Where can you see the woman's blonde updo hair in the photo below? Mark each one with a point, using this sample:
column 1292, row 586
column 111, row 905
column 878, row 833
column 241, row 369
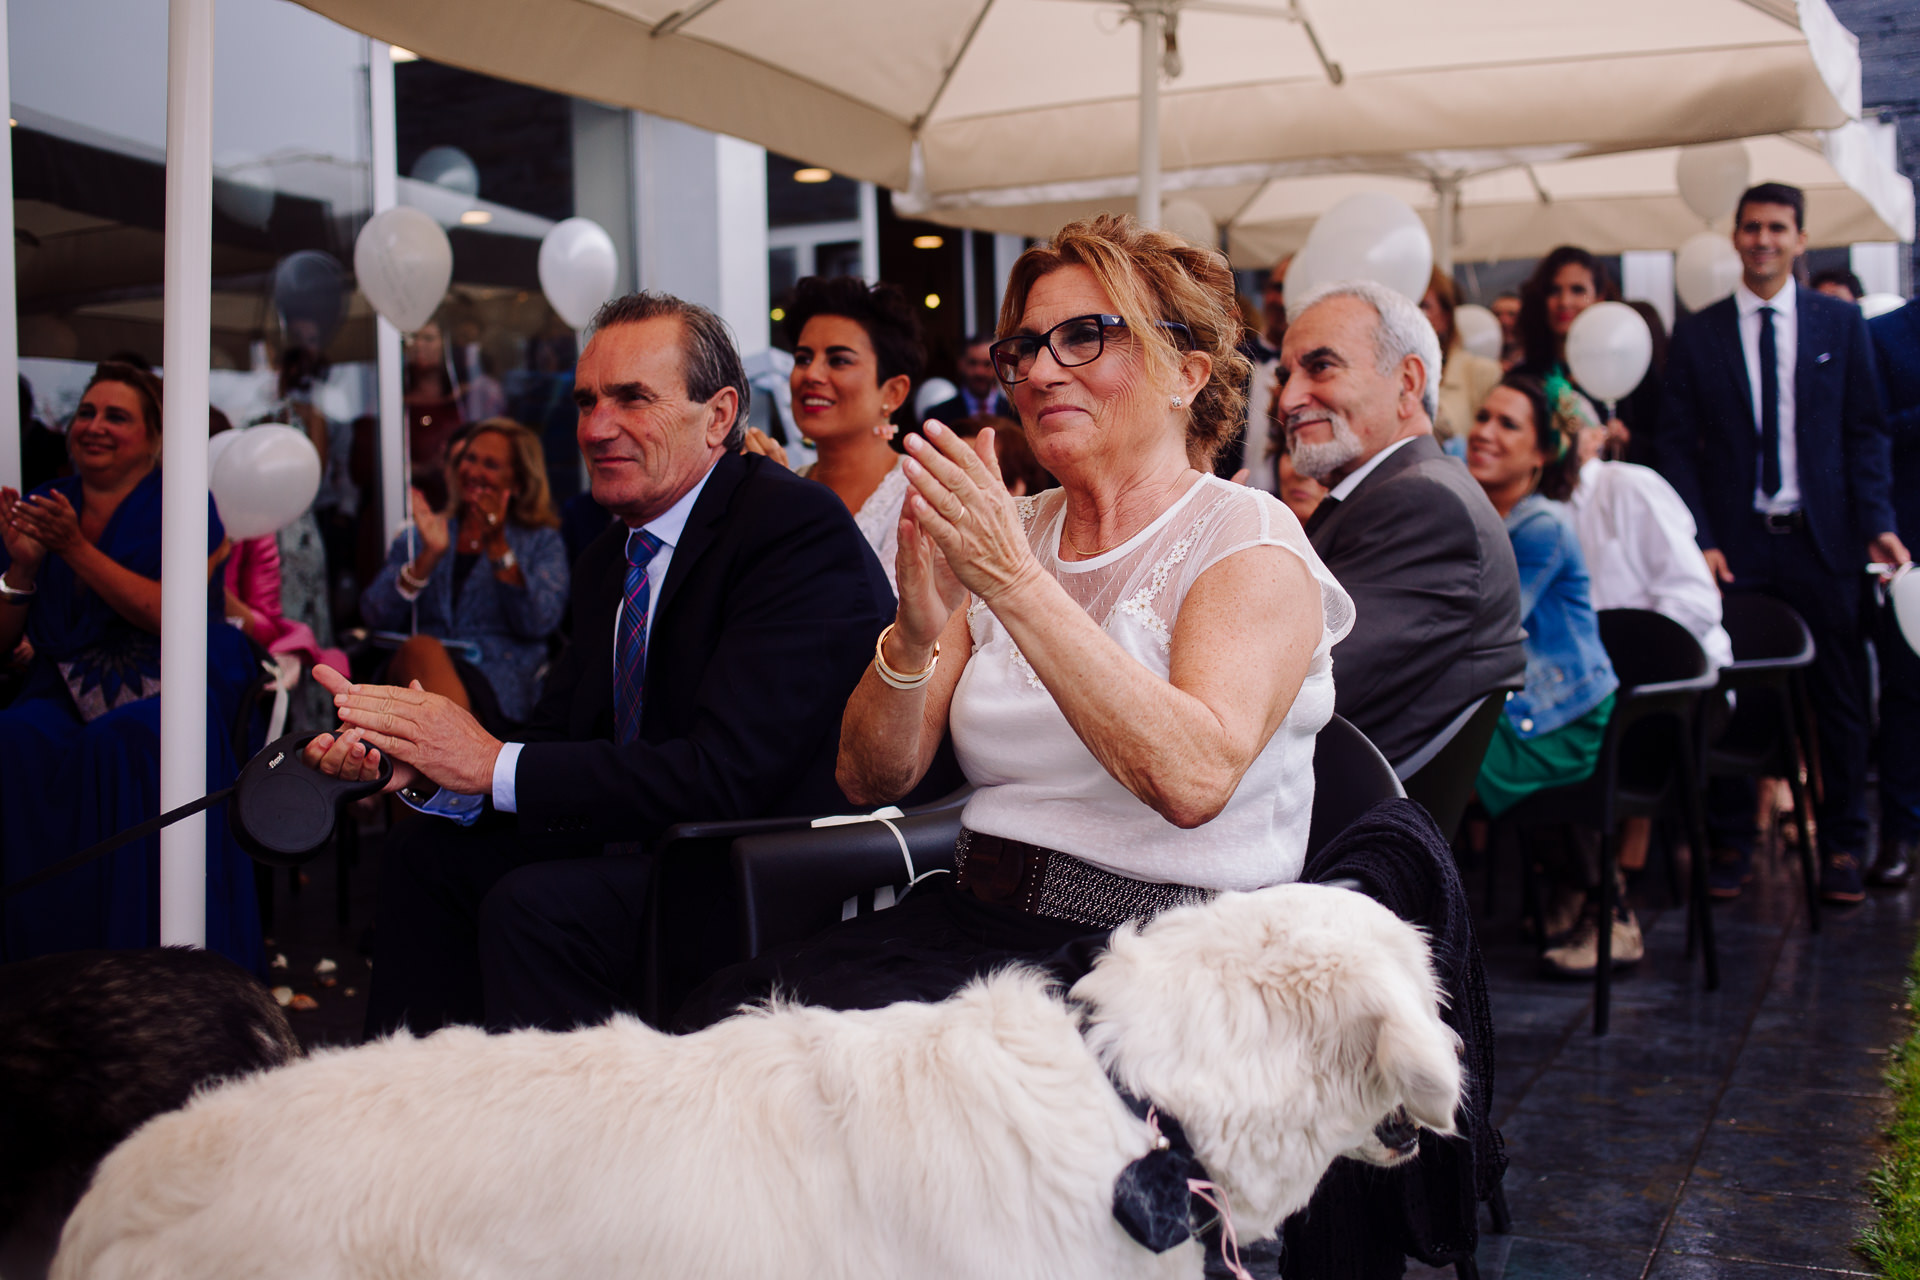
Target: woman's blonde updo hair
column 1155, row 275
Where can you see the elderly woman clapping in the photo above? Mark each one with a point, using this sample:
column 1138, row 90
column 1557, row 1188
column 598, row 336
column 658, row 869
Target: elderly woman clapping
column 1133, row 667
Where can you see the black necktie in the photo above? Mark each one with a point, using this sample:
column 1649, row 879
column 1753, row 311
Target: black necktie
column 1769, row 407
column 1328, row 505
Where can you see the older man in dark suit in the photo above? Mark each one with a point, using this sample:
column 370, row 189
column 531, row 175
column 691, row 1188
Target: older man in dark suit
column 1896, row 345
column 1405, row 529
column 1772, row 433
column 718, row 628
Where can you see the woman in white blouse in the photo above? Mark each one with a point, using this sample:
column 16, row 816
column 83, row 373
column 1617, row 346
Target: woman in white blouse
column 1133, row 666
column 856, row 355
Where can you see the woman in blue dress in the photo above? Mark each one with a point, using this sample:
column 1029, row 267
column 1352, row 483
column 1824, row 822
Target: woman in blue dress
column 1521, row 451
column 80, row 745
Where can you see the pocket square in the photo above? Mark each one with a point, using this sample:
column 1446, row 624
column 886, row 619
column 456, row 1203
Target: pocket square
column 1823, row 357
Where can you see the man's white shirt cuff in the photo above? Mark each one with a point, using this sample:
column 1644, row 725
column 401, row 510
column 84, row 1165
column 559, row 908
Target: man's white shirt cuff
column 504, row 766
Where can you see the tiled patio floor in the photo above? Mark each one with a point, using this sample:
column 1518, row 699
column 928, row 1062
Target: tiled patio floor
column 1710, row 1134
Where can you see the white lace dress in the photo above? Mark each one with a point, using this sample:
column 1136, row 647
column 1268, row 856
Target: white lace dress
column 879, row 517
column 1037, row 781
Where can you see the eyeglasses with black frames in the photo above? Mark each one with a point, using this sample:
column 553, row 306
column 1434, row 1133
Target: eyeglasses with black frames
column 1073, row 343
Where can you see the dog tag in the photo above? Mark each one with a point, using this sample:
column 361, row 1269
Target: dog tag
column 283, row 811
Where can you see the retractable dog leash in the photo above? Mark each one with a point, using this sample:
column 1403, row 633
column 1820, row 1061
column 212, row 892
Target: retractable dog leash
column 283, row 812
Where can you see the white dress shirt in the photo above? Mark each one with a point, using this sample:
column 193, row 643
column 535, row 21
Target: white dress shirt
column 1257, row 452
column 1638, row 540
column 668, row 527
column 1340, row 491
column 1786, row 332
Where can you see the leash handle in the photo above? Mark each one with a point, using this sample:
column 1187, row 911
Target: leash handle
column 113, row 842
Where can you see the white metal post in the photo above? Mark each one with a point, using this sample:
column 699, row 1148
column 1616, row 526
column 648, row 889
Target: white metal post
column 187, row 317
column 384, row 157
column 1446, row 191
column 869, row 233
column 1152, row 39
column 10, row 424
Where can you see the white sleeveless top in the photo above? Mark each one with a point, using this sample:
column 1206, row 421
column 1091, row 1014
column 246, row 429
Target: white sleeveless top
column 1038, row 782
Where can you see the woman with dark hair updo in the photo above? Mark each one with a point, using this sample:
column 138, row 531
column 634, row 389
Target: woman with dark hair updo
column 1133, row 666
column 857, row 351
column 1522, row 452
column 1566, row 283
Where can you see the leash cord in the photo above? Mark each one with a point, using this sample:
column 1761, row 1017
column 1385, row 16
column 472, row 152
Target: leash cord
column 113, row 842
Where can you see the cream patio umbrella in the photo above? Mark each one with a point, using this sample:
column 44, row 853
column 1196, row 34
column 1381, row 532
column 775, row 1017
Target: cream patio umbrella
column 1606, row 203
column 1018, row 102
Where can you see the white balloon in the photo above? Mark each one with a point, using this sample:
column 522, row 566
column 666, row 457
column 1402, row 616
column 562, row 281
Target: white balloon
column 218, row 445
column 1878, row 304
column 1479, row 330
column 932, row 392
column 1712, row 176
column 264, row 479
column 1306, row 273
column 1608, row 350
column 578, row 269
column 1190, row 220
column 1705, row 270
column 404, row 263
column 1373, row 236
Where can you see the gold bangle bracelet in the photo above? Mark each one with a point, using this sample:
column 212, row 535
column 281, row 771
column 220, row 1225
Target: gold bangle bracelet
column 901, row 679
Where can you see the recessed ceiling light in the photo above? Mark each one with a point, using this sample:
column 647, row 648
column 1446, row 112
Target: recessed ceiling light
column 927, row 242
column 476, row 218
column 12, row 123
column 933, row 300
column 777, row 314
column 812, row 175
column 402, row 55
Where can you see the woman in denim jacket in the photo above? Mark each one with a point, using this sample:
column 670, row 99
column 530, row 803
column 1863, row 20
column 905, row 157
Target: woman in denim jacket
column 1524, row 459
column 484, row 583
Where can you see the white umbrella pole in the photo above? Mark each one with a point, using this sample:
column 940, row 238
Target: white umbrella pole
column 1446, row 193
column 10, row 424
column 187, row 315
column 390, row 396
column 1152, row 38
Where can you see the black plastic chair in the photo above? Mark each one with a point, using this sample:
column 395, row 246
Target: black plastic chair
column 1763, row 737
column 1350, row 776
column 1647, row 768
column 1441, row 778
column 792, row 884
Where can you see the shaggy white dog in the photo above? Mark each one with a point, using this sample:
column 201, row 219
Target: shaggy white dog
column 979, row 1137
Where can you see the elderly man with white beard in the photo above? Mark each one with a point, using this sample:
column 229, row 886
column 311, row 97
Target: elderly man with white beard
column 1405, row 529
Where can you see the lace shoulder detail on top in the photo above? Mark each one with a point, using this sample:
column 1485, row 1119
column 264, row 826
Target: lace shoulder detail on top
column 1139, row 605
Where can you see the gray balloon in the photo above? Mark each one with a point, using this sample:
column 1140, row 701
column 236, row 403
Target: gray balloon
column 310, row 292
column 448, row 167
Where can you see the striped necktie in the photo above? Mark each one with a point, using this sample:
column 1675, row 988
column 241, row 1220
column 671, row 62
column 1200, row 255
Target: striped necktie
column 630, row 648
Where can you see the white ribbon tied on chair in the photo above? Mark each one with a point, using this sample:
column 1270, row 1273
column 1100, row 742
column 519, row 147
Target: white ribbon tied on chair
column 884, row 896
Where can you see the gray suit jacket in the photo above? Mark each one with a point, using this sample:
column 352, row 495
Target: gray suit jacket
column 1436, row 598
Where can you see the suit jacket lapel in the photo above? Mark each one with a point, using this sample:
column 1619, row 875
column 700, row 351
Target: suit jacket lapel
column 702, row 528
column 1733, row 358
column 1811, row 338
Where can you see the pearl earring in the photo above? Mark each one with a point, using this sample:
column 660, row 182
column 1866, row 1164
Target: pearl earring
column 1176, row 402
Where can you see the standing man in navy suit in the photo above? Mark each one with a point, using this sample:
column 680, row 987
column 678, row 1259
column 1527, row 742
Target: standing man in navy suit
column 1773, row 434
column 1896, row 345
column 980, row 391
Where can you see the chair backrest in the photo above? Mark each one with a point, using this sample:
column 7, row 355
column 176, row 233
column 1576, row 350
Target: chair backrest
column 1444, row 785
column 1350, row 776
column 1649, row 648
column 1765, row 630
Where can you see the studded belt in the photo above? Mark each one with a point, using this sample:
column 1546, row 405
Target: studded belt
column 1047, row 882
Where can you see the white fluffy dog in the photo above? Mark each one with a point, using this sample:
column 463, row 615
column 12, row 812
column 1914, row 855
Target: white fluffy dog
column 978, row 1137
